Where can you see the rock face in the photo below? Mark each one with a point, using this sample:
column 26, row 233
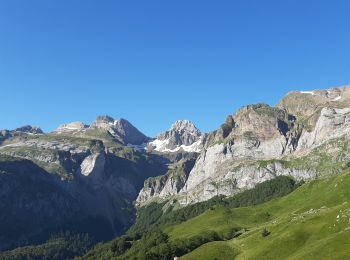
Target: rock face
column 306, row 135
column 332, row 123
column 230, row 180
column 167, row 185
column 93, row 164
column 182, row 136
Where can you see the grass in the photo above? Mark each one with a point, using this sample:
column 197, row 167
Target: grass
column 212, row 251
column 219, row 219
column 313, row 222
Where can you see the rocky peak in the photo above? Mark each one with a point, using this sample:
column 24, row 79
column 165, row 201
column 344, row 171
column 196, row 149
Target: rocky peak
column 121, row 128
column 184, row 131
column 182, row 126
column 183, row 134
column 103, row 122
column 129, row 133
column 30, row 129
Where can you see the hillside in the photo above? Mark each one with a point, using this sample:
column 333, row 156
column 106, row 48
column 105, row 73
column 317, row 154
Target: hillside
column 313, row 222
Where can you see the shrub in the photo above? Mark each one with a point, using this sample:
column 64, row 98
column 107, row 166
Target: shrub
column 265, row 233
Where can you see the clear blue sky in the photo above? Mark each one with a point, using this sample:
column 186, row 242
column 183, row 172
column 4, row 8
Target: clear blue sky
column 153, row 62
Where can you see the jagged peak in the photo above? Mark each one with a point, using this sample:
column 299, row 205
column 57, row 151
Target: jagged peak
column 182, row 136
column 184, row 126
column 112, row 121
column 105, row 119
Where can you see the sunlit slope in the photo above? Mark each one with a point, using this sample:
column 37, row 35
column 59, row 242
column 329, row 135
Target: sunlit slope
column 313, row 222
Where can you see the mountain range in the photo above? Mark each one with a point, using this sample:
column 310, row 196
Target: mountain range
column 101, row 179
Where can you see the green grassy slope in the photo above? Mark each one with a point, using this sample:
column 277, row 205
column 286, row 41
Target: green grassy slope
column 311, row 223
column 212, row 251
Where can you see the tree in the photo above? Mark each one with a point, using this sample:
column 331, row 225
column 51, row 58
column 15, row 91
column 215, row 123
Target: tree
column 120, row 245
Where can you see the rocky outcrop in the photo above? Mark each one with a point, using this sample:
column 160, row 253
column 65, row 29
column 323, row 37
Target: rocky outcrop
column 233, row 179
column 19, row 132
column 30, row 129
column 70, row 127
column 165, row 186
column 93, row 164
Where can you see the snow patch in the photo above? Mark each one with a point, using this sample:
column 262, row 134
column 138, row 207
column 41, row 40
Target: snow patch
column 161, row 146
column 307, row 92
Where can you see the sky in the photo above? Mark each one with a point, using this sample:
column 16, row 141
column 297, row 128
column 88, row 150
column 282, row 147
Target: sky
column 153, row 62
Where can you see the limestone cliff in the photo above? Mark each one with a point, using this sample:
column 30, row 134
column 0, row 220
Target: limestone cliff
column 305, row 136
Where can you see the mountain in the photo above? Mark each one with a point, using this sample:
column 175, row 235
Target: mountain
column 121, row 130
column 268, row 172
column 80, row 178
column 182, row 136
column 260, row 142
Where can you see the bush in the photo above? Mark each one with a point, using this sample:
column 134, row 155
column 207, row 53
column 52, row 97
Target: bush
column 265, row 233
